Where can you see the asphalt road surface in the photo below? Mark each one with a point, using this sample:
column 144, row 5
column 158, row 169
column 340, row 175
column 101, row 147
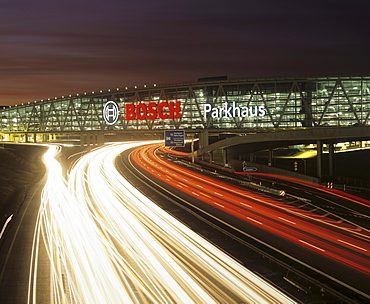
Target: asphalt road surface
column 17, row 255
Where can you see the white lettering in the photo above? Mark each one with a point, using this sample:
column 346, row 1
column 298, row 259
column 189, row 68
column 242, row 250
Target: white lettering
column 251, row 114
column 262, row 111
column 236, row 110
column 233, row 110
column 227, row 110
column 206, row 109
column 244, row 112
column 215, row 112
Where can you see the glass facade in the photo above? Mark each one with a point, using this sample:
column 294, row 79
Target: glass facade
column 223, row 104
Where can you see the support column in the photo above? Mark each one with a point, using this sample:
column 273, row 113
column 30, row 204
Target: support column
column 192, row 151
column 90, row 139
column 269, row 161
column 96, row 139
column 82, row 139
column 224, row 157
column 100, row 138
column 319, row 159
column 203, row 139
column 331, row 159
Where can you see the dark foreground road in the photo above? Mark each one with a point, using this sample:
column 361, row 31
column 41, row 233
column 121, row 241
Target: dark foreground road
column 16, row 255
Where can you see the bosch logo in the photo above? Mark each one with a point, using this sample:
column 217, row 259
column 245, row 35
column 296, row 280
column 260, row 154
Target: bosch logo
column 110, row 112
column 162, row 110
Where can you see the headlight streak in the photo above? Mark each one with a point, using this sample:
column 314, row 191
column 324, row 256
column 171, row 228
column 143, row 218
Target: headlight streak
column 108, row 243
column 79, row 263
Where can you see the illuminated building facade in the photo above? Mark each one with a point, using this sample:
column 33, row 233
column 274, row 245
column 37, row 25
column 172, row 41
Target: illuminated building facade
column 211, row 104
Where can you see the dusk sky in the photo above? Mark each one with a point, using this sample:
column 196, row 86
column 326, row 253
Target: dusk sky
column 52, row 48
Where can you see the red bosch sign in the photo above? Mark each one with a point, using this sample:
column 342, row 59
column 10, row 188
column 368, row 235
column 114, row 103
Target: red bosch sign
column 152, row 110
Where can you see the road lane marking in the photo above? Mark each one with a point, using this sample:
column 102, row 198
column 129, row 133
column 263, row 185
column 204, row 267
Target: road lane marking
column 202, row 193
column 253, row 220
column 286, row 220
column 353, row 245
column 313, row 246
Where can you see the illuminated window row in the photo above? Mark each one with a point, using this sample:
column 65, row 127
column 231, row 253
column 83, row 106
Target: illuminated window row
column 285, row 103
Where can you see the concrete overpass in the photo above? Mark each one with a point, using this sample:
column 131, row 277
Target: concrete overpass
column 271, row 140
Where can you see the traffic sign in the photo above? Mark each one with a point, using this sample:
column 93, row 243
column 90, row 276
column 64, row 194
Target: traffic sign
column 249, row 169
column 174, row 138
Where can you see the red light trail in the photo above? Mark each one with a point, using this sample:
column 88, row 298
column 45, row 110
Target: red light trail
column 339, row 241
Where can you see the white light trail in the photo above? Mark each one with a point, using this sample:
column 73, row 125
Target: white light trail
column 5, row 225
column 109, row 243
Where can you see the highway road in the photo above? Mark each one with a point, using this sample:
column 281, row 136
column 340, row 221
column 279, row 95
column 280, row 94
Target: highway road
column 108, row 243
column 94, row 238
column 343, row 204
column 329, row 244
column 17, row 255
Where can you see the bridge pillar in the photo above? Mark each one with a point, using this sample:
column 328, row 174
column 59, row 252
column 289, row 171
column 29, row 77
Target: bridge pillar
column 93, row 139
column 270, row 157
column 100, row 138
column 203, row 139
column 51, row 137
column 319, row 159
column 30, row 137
column 331, row 159
column 224, row 157
column 82, row 139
